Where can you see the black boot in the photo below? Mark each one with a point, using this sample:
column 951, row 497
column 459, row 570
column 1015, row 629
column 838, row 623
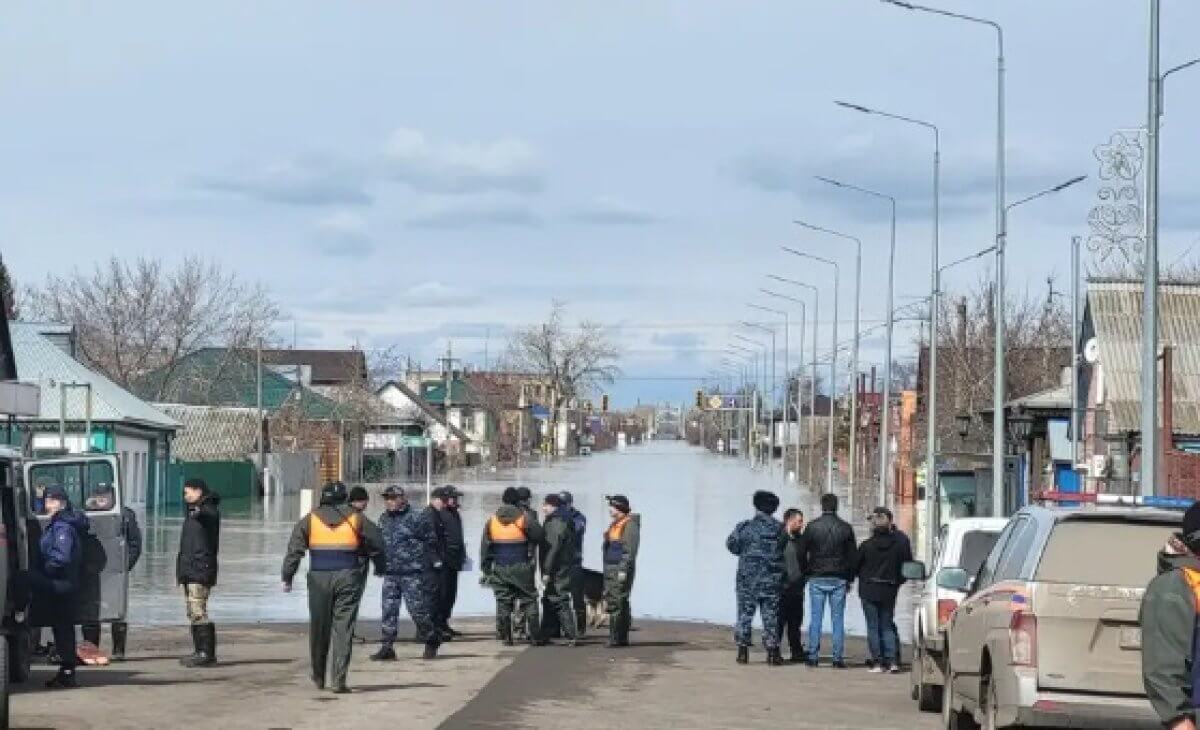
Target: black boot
column 120, row 631
column 191, row 659
column 385, row 654
column 65, row 679
column 205, row 638
column 614, row 635
column 431, row 649
column 774, row 658
column 743, row 656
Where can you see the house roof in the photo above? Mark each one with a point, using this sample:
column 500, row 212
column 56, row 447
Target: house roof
column 327, row 367
column 1115, row 311
column 223, row 377
column 40, row 361
column 378, row 412
column 213, row 433
column 427, row 409
column 1051, row 399
column 461, row 393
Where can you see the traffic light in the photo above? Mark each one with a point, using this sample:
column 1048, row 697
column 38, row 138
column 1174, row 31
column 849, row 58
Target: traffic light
column 604, row 403
column 700, row 399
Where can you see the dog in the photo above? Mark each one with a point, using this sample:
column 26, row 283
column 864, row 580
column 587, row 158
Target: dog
column 593, row 597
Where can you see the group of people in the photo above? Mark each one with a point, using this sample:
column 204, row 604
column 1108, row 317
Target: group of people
column 516, row 547
column 778, row 561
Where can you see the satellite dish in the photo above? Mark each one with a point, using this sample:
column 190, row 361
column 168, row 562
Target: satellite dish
column 1091, row 350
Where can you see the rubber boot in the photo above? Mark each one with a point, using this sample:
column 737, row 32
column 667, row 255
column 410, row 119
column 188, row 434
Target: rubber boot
column 431, row 649
column 191, row 659
column 120, row 632
column 614, row 635
column 65, row 679
column 743, row 655
column 774, row 658
column 385, row 654
column 205, row 638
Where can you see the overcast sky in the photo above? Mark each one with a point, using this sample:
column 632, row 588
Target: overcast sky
column 406, row 173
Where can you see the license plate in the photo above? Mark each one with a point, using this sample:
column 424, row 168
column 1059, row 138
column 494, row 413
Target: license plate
column 1131, row 637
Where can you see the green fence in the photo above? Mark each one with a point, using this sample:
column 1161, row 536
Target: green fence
column 230, row 479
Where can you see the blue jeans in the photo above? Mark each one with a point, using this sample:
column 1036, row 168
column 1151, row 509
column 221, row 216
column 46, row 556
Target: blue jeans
column 881, row 631
column 820, row 590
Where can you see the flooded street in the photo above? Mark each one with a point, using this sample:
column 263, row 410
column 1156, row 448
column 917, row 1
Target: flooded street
column 689, row 500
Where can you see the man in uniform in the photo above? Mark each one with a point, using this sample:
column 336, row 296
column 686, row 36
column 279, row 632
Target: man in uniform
column 759, row 544
column 339, row 540
column 408, row 545
column 509, row 537
column 578, row 520
column 620, row 562
column 525, row 503
column 558, row 564
column 456, row 555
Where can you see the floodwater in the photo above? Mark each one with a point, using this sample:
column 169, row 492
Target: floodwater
column 689, row 501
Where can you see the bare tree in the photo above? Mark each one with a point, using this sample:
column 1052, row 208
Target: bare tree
column 138, row 317
column 8, row 294
column 573, row 360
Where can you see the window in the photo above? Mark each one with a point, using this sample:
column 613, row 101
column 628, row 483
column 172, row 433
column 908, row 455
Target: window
column 975, row 548
column 988, row 571
column 89, row 484
column 1017, row 550
column 1102, row 552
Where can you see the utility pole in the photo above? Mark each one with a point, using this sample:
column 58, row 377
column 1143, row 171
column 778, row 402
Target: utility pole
column 1149, row 420
column 262, row 446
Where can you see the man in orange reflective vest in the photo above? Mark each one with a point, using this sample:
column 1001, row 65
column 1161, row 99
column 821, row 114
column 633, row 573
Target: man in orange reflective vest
column 1170, row 621
column 506, row 560
column 339, row 541
column 621, row 541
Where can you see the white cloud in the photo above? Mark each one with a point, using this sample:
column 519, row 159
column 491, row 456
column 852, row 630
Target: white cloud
column 343, row 233
column 438, row 294
column 311, row 181
column 607, row 211
column 445, row 167
column 475, row 211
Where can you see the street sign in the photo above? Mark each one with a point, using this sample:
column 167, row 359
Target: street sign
column 414, row 442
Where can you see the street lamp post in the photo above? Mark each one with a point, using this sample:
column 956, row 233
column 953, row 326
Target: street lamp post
column 853, row 471
column 885, row 414
column 998, row 377
column 787, row 386
column 762, row 377
column 832, row 363
column 812, row 378
column 931, row 382
column 752, row 387
column 770, row 391
column 775, row 386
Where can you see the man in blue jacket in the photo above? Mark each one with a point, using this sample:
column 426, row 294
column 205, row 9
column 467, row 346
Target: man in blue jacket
column 55, row 581
column 759, row 544
column 410, row 547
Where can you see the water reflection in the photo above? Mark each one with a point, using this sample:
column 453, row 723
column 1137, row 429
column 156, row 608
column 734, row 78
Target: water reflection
column 689, row 501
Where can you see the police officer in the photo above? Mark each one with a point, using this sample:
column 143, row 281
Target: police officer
column 558, row 564
column 620, row 561
column 55, row 579
column 525, row 503
column 455, row 558
column 339, row 539
column 505, row 560
column 579, row 521
column 759, row 544
column 408, row 546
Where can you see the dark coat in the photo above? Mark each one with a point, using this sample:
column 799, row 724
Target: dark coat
column 62, row 548
column 440, row 545
column 831, row 549
column 579, row 522
column 1168, row 621
column 795, row 561
column 409, row 540
column 133, row 537
column 759, row 544
column 880, row 558
column 199, row 542
column 558, row 545
column 456, row 546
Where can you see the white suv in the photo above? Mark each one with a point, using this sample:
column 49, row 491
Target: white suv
column 964, row 543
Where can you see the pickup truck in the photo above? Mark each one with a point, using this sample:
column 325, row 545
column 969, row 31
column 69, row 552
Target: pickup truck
column 94, row 485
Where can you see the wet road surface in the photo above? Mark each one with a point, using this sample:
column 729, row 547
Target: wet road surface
column 689, row 500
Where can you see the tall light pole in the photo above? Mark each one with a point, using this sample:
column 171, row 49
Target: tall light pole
column 998, row 377
column 857, row 336
column 812, row 379
column 832, row 362
column 745, row 357
column 769, row 390
column 762, row 381
column 787, row 384
column 998, row 504
column 752, row 387
column 885, row 414
column 1075, row 242
column 931, row 377
column 1150, row 445
column 775, row 386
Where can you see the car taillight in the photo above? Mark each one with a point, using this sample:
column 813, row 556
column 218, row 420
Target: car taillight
column 945, row 609
column 1022, row 639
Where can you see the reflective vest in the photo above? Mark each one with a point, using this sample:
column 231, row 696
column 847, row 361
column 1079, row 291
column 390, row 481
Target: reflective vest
column 334, row 548
column 614, row 549
column 1192, row 577
column 510, row 544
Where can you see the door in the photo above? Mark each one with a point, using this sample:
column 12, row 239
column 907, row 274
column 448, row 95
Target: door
column 93, row 483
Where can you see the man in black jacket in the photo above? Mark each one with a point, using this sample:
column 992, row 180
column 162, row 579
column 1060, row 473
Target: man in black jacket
column 791, row 603
column 455, row 557
column 832, row 553
column 196, row 567
column 879, row 579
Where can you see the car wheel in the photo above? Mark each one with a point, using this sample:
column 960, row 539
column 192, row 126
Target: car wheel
column 928, row 696
column 952, row 719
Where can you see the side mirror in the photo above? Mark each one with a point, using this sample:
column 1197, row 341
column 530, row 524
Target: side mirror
column 953, row 579
column 913, row 570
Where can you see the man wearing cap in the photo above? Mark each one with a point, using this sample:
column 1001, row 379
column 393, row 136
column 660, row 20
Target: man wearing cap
column 558, row 563
column 455, row 558
column 505, row 559
column 339, row 541
column 1168, row 619
column 55, row 580
column 759, row 544
column 408, row 540
column 620, row 563
column 877, row 568
column 579, row 522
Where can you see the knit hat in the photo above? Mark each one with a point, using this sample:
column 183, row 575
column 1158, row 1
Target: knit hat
column 56, row 492
column 358, row 494
column 766, row 502
column 510, row 496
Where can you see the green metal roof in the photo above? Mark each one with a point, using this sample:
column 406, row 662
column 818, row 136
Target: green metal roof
column 434, row 393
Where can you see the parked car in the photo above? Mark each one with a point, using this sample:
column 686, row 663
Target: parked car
column 1048, row 633
column 963, row 544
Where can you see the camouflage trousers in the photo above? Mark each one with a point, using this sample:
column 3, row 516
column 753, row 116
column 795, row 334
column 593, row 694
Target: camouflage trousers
column 753, row 597
column 419, row 591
